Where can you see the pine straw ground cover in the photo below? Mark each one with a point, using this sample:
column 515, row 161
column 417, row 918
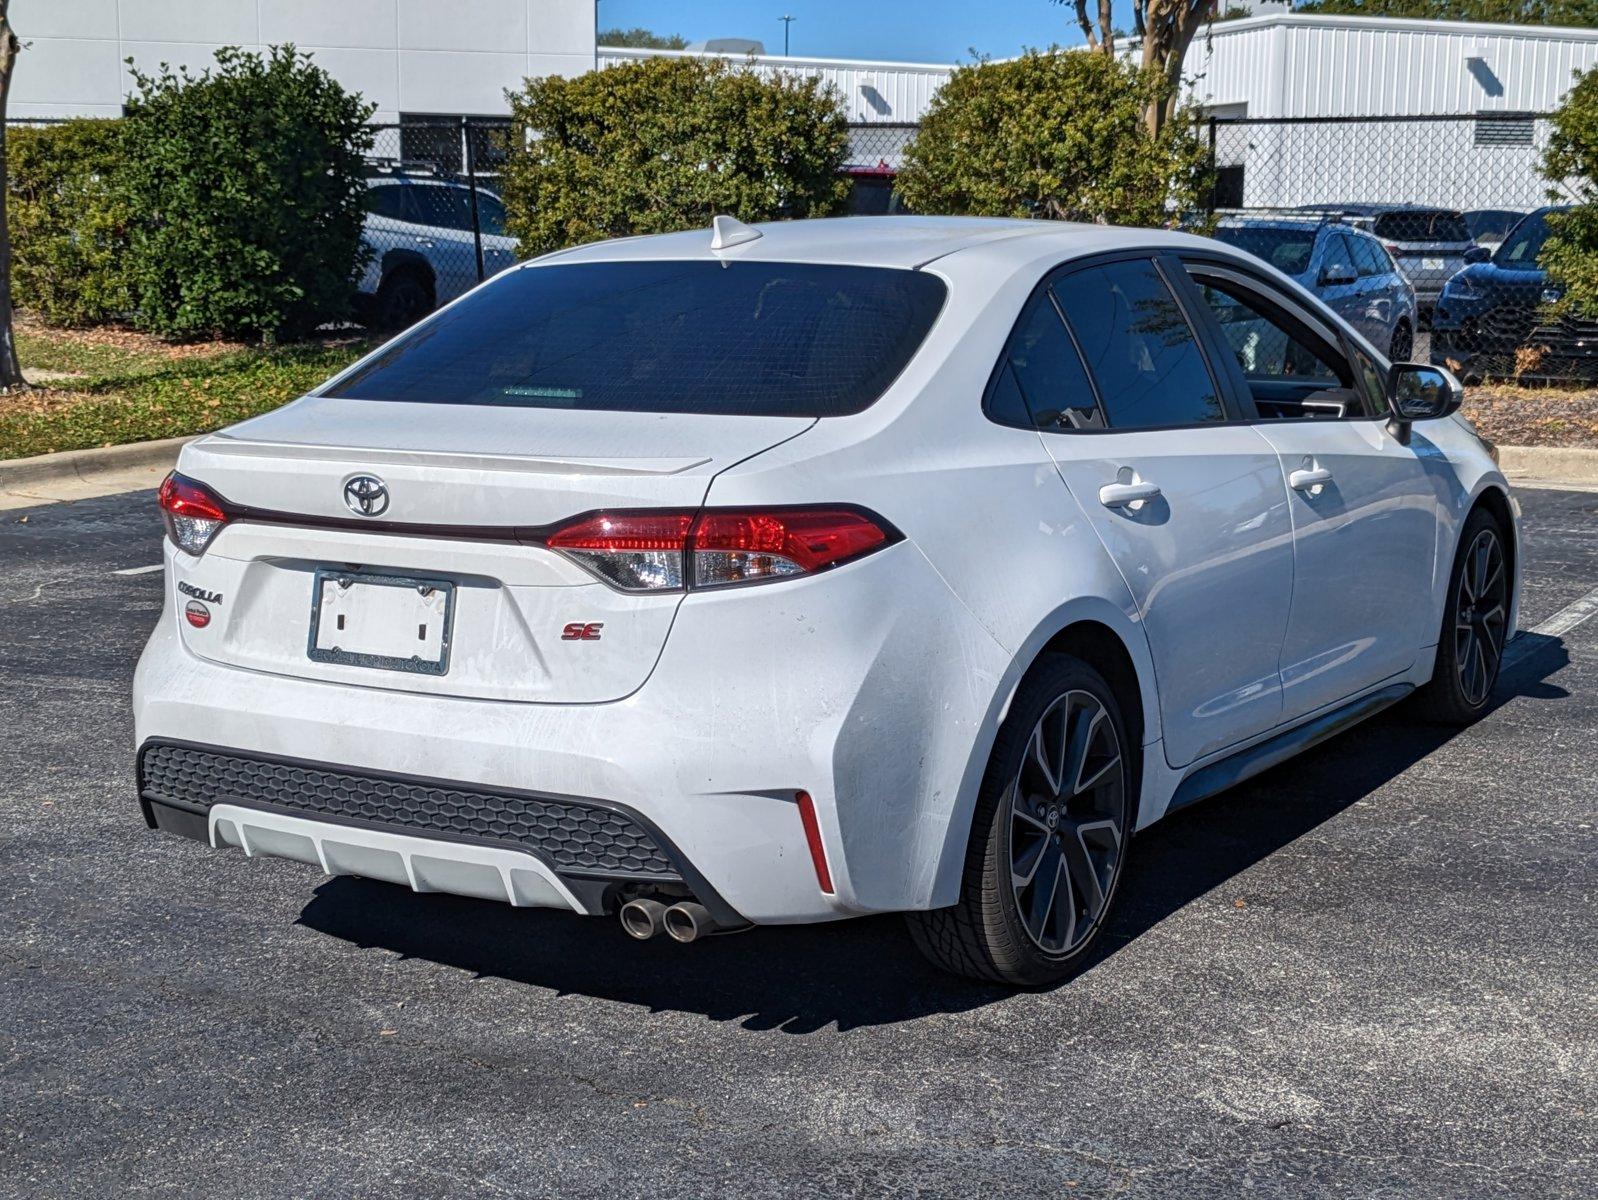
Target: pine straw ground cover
column 1517, row 416
column 107, row 386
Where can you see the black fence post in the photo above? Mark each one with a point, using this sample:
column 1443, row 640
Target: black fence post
column 471, row 181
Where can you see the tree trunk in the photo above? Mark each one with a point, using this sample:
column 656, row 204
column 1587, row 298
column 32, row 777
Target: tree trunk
column 10, row 369
column 1171, row 26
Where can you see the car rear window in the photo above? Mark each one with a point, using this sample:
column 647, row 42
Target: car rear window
column 1288, row 250
column 743, row 338
column 1422, row 225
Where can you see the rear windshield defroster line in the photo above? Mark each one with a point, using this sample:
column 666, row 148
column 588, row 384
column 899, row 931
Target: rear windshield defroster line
column 742, row 338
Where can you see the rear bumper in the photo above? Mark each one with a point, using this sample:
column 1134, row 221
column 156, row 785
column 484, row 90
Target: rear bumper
column 870, row 688
column 522, row 848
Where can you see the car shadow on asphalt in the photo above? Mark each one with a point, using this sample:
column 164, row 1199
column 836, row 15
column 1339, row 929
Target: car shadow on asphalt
column 865, row 972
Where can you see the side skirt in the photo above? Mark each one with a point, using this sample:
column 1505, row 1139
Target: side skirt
column 1218, row 776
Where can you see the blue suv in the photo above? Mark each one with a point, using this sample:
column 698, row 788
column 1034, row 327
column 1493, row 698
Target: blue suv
column 1491, row 319
column 1347, row 268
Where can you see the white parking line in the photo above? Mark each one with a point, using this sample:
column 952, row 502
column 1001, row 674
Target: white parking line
column 1572, row 615
column 139, row 570
column 1562, row 622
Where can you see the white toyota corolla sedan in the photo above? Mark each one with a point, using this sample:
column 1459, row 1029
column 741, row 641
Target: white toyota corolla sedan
column 757, row 575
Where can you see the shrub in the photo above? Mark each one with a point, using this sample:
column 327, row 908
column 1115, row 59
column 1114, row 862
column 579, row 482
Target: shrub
column 247, row 181
column 1057, row 134
column 69, row 225
column 1571, row 252
column 666, row 144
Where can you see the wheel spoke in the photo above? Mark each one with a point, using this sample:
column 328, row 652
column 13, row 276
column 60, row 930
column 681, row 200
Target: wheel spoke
column 1047, row 758
column 1081, row 731
column 1083, row 873
column 1024, row 863
column 1098, row 775
column 1063, row 906
column 1045, row 883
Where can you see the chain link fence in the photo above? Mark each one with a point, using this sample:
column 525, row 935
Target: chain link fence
column 1440, row 197
column 1340, row 203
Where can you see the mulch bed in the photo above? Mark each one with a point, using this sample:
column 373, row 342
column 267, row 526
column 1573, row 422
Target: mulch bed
column 1516, row 416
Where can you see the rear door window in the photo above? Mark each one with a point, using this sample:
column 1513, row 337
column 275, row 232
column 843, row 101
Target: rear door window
column 757, row 338
column 1337, row 263
column 1139, row 347
column 1046, row 373
column 1368, row 257
column 441, row 206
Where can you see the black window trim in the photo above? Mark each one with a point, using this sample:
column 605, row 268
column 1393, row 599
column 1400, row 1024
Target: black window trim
column 1238, row 411
column 1329, row 334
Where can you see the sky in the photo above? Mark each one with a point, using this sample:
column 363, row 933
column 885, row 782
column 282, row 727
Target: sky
column 934, row 31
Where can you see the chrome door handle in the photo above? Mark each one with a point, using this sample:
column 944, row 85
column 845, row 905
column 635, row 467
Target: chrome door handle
column 1307, row 479
column 421, row 241
column 1123, row 495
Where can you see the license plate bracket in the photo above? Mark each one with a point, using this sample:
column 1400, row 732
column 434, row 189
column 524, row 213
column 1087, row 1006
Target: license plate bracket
column 366, row 619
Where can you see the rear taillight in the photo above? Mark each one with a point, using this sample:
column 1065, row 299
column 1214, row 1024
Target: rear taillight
column 193, row 515
column 665, row 551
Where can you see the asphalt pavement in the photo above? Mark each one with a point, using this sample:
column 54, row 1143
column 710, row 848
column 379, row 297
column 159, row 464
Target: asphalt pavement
column 1372, row 972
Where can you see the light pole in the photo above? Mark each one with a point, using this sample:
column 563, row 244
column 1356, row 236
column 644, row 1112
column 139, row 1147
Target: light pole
column 786, row 21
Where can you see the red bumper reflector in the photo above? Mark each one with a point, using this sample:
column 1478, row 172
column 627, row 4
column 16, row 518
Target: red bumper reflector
column 818, row 852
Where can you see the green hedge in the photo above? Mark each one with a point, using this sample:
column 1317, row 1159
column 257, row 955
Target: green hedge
column 69, row 225
column 1571, row 253
column 666, row 144
column 248, row 185
column 1053, row 134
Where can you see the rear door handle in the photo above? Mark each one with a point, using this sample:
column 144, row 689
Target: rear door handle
column 1123, row 495
column 1309, row 478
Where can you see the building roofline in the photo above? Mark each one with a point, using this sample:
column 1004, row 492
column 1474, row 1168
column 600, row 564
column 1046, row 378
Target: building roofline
column 1562, row 33
column 778, row 60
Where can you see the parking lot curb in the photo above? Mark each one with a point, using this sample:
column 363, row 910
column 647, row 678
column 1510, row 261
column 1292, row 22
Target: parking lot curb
column 1550, row 464
column 18, row 473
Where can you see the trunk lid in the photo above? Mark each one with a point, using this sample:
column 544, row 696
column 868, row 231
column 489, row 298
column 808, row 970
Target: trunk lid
column 459, row 481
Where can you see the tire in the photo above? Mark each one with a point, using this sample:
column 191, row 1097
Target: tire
column 1470, row 646
column 1403, row 343
column 403, row 298
column 1006, row 931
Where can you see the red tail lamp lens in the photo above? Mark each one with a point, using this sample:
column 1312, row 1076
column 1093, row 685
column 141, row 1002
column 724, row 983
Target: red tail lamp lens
column 193, row 515
column 649, row 551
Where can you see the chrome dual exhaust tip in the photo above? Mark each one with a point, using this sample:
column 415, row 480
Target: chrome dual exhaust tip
column 683, row 922
column 643, row 919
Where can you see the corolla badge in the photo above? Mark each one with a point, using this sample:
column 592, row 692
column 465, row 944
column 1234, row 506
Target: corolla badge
column 366, row 495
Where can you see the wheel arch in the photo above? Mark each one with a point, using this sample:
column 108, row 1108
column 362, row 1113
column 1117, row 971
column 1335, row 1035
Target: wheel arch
column 401, row 259
column 1110, row 641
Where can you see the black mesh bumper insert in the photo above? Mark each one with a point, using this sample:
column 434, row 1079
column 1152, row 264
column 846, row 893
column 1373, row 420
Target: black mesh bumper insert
column 571, row 837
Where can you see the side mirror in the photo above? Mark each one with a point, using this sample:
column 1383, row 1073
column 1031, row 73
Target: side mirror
column 1478, row 254
column 1417, row 392
column 1337, row 276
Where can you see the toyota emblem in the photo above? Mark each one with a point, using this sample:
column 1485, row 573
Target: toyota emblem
column 366, row 495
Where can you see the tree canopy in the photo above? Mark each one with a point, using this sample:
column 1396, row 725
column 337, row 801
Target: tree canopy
column 638, row 38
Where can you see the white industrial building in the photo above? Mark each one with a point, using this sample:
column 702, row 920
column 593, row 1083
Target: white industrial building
column 417, row 58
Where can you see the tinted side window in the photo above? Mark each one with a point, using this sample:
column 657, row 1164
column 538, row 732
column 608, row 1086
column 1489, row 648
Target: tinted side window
column 1372, row 384
column 1139, row 347
column 490, row 215
column 444, row 207
column 1338, row 261
column 1368, row 257
column 1265, row 347
column 1049, row 372
column 387, row 200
